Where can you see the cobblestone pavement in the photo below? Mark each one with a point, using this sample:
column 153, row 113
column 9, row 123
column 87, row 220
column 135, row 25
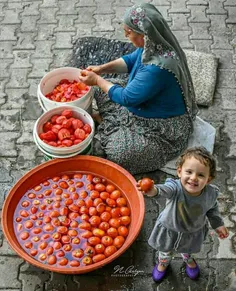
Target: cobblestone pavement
column 37, row 36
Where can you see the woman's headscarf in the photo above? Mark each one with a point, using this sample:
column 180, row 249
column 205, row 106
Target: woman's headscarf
column 161, row 48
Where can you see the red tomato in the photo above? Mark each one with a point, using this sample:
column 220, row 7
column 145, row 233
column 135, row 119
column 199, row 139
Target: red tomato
column 47, row 126
column 98, row 258
column 67, row 113
column 67, row 142
column 60, row 119
column 146, row 184
column 107, row 240
column 78, row 253
column 48, row 136
column 110, row 250
column 63, row 134
column 77, row 123
column 79, row 133
column 54, row 118
column 87, row 128
column 99, row 248
column 119, row 241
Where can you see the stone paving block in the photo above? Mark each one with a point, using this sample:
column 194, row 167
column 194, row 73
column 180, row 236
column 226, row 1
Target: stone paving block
column 7, row 149
column 25, row 153
column 215, row 112
column 105, row 34
column 228, row 98
column 197, row 2
column 15, row 98
column 198, row 14
column 179, row 21
column 178, row 6
column 11, row 16
column 40, row 67
column 83, row 29
column 104, row 23
column 218, row 23
column 202, row 45
column 5, row 168
column 232, row 151
column 2, row 10
column 200, row 31
column 220, row 41
column 65, row 9
column 27, row 130
column 227, row 78
column 88, row 3
column 32, row 108
column 5, row 65
column 10, row 120
column 33, row 87
column 216, row 7
column 25, row 41
column 21, row 59
column 9, row 279
column 225, row 58
column 64, row 40
column 118, row 16
column 124, row 3
column 89, row 12
column 47, row 15
column 6, row 250
column 61, row 58
column 17, row 174
column 4, row 189
column 161, row 2
column 104, row 7
column 18, row 78
column 231, row 15
column 31, row 8
column 46, row 32
column 232, row 169
column 43, row 49
column 29, row 23
column 66, row 23
column 223, row 248
column 49, row 3
column 183, row 38
column 229, row 3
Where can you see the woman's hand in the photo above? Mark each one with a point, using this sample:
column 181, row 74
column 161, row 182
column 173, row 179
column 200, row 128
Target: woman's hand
column 151, row 191
column 222, row 231
column 95, row 69
column 88, row 77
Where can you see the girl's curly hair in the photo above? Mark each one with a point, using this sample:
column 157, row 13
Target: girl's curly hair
column 202, row 155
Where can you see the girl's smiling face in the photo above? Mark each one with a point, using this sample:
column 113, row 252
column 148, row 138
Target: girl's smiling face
column 194, row 176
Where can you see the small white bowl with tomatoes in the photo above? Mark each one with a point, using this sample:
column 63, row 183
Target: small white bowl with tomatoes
column 64, row 131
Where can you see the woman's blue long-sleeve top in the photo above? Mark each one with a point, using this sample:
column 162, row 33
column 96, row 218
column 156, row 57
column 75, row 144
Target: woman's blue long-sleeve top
column 151, row 92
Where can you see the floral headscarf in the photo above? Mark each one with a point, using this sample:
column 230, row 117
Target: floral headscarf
column 161, row 48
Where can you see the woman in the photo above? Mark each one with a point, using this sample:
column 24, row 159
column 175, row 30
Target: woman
column 147, row 122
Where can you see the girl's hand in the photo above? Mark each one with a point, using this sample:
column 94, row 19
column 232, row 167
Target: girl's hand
column 150, row 191
column 222, row 232
column 88, row 77
column 95, row 69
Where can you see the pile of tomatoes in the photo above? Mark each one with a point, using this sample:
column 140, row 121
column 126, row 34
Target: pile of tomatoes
column 64, row 130
column 67, row 91
column 72, row 220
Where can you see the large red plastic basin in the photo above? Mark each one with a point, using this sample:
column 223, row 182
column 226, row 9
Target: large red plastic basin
column 98, row 166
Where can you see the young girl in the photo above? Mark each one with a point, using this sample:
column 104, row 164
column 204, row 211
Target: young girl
column 182, row 226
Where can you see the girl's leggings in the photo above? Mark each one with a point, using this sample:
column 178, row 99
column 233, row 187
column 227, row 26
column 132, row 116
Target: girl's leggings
column 165, row 258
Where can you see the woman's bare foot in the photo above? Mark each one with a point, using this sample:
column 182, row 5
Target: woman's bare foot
column 97, row 117
column 161, row 267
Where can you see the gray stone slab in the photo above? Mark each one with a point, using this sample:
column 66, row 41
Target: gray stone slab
column 198, row 14
column 7, row 149
column 48, row 15
column 200, row 31
column 65, row 9
column 61, row 58
column 63, row 40
column 104, row 23
column 21, row 59
column 29, row 23
column 27, row 130
column 66, row 24
column 25, row 41
column 9, row 279
column 40, row 67
column 43, row 48
column 6, row 50
column 178, row 6
column 46, row 32
column 15, row 98
column 18, row 78
column 232, row 15
column 11, row 17
column 216, row 7
column 10, row 120
column 202, row 45
column 180, row 21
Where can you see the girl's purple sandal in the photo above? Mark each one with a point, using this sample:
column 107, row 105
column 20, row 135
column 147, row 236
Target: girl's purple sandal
column 193, row 273
column 158, row 275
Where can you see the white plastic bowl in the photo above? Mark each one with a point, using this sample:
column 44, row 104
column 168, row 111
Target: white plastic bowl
column 63, row 152
column 52, row 79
